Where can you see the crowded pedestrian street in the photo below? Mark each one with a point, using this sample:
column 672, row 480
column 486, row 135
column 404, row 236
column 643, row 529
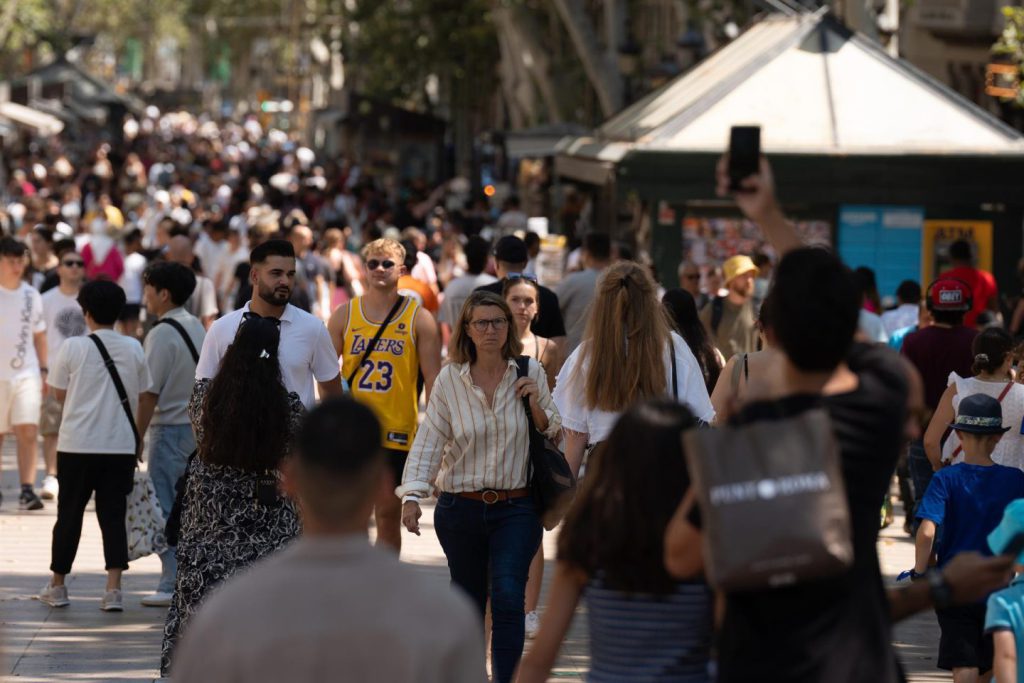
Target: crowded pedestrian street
column 83, row 644
column 511, row 342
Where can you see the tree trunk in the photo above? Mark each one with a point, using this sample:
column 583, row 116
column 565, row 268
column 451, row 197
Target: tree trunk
column 601, row 71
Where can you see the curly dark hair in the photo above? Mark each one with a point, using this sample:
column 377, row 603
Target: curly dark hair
column 245, row 422
column 635, row 481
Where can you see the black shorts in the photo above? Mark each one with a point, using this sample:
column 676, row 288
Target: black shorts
column 964, row 642
column 130, row 313
column 396, row 461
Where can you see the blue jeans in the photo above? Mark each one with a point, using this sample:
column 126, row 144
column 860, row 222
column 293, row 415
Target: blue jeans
column 169, row 448
column 491, row 546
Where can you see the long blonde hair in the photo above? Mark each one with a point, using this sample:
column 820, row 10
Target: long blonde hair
column 624, row 349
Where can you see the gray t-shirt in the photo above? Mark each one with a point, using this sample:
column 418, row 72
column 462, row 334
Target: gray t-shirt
column 456, row 293
column 575, row 294
column 171, row 366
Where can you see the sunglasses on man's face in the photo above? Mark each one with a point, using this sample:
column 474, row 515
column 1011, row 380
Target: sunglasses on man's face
column 374, row 264
column 73, row 263
column 691, row 276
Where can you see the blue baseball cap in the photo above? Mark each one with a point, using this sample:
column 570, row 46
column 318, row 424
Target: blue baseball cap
column 1011, row 526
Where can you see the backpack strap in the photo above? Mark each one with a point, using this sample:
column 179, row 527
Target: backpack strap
column 675, row 372
column 119, row 387
column 184, row 335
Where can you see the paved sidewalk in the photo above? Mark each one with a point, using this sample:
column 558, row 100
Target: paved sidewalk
column 81, row 643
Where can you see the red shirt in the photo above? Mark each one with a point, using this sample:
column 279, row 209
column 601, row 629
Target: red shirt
column 983, row 289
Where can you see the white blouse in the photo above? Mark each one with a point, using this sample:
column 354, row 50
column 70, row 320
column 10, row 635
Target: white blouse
column 464, row 445
column 598, row 424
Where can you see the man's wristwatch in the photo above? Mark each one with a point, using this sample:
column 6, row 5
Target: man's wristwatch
column 44, row 371
column 941, row 593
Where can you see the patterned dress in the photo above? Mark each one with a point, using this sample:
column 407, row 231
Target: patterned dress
column 223, row 528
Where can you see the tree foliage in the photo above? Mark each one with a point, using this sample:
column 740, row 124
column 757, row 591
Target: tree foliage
column 395, row 47
column 1011, row 46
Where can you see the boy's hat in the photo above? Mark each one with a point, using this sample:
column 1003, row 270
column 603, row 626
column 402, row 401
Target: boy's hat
column 1009, row 529
column 980, row 414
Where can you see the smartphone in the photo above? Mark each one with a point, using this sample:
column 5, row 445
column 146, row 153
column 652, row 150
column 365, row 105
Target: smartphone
column 744, row 154
column 1015, row 546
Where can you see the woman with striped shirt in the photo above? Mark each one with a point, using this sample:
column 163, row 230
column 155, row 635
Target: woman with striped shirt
column 643, row 625
column 473, row 450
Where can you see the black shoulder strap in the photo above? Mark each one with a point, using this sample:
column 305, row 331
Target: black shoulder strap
column 184, row 335
column 675, row 372
column 717, row 311
column 376, row 337
column 119, row 386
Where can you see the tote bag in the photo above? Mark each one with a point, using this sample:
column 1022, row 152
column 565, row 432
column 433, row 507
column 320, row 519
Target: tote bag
column 144, row 519
column 772, row 501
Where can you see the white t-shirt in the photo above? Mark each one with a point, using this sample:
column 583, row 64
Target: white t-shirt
column 598, row 424
column 456, row 293
column 306, row 351
column 131, row 280
column 905, row 315
column 871, row 325
column 93, row 419
column 21, row 317
column 63, row 318
column 203, row 302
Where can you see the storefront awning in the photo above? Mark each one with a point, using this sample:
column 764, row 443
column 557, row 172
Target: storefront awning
column 38, row 122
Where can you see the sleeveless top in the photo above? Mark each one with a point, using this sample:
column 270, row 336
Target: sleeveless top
column 1010, row 450
column 649, row 638
column 387, row 381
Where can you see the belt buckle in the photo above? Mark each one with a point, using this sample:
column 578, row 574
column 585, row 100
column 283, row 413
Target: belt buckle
column 483, row 496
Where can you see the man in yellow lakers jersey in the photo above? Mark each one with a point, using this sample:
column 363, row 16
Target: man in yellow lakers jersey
column 385, row 379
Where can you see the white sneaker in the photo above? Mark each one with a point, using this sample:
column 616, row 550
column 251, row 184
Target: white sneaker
column 112, row 601
column 532, row 625
column 54, row 596
column 50, row 488
column 158, row 599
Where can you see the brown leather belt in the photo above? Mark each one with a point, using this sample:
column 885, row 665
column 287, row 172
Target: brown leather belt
column 490, row 496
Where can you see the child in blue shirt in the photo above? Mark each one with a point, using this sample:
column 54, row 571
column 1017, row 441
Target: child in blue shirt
column 1004, row 620
column 967, row 500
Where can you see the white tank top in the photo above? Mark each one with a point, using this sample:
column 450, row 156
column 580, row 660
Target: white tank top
column 1010, row 451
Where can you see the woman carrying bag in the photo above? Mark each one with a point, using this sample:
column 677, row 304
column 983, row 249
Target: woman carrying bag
column 233, row 512
column 628, row 354
column 474, row 448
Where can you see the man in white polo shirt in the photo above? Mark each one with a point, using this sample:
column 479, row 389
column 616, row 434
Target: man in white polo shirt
column 306, row 351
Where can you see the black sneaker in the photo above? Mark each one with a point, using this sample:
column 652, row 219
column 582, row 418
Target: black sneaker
column 28, row 500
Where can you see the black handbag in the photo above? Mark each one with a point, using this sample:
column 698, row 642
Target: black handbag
column 552, row 483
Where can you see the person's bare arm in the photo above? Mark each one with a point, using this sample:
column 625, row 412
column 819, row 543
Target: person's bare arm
column 336, row 327
column 924, row 543
column 144, row 415
column 428, row 348
column 943, row 416
column 566, row 588
column 759, row 204
column 1004, row 664
column 39, row 342
column 684, row 558
column 969, row 576
column 722, row 397
column 551, row 358
column 331, row 387
column 574, row 445
column 1018, row 318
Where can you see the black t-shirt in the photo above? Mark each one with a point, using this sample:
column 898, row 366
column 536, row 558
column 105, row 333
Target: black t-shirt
column 548, row 323
column 834, row 630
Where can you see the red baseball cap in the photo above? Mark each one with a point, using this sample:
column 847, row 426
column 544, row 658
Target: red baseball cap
column 949, row 294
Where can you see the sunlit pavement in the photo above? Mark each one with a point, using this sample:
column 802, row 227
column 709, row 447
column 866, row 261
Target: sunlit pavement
column 82, row 643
